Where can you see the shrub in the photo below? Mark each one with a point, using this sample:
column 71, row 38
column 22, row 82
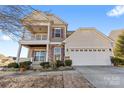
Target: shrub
column 117, row 61
column 13, row 65
column 53, row 65
column 25, row 64
column 68, row 62
column 45, row 64
column 59, row 63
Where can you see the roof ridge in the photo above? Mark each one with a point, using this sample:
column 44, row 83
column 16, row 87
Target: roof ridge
column 86, row 28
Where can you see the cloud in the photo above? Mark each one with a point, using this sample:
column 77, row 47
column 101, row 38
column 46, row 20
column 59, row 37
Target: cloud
column 6, row 38
column 116, row 11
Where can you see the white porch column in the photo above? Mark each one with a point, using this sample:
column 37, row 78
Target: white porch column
column 48, row 35
column 18, row 53
column 47, row 50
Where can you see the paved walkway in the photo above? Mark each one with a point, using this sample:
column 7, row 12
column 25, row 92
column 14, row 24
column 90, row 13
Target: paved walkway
column 73, row 79
column 103, row 77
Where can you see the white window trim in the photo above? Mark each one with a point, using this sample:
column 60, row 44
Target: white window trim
column 38, row 56
column 55, row 31
column 60, row 51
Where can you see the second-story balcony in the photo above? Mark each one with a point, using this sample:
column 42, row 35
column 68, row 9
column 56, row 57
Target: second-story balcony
column 32, row 39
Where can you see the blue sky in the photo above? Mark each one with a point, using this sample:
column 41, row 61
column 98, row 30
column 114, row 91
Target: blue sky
column 104, row 18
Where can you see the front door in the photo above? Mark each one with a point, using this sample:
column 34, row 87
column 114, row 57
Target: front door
column 39, row 56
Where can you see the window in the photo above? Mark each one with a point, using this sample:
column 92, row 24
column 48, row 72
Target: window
column 39, row 56
column 41, row 36
column 57, row 32
column 103, row 50
column 81, row 49
column 110, row 49
column 94, row 49
column 44, row 37
column 38, row 37
column 85, row 49
column 57, row 53
column 77, row 50
column 90, row 49
column 99, row 50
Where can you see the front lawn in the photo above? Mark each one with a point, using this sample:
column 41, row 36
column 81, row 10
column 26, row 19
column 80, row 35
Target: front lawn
column 56, row 79
column 2, row 73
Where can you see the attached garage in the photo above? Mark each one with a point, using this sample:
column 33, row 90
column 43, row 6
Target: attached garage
column 90, row 57
column 87, row 46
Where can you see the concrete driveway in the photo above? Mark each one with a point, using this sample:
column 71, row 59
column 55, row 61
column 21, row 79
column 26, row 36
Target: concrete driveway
column 103, row 76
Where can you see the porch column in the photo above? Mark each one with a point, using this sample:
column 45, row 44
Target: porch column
column 48, row 35
column 18, row 53
column 47, row 50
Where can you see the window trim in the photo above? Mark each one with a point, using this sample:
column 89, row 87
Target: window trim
column 58, row 54
column 37, row 54
column 36, row 36
column 55, row 29
column 41, row 36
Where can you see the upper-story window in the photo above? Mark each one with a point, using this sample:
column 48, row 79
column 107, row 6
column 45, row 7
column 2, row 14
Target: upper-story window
column 57, row 32
column 41, row 37
column 38, row 37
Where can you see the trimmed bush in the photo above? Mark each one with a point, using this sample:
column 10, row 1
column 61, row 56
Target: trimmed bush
column 117, row 61
column 68, row 62
column 59, row 63
column 25, row 64
column 45, row 64
column 13, row 65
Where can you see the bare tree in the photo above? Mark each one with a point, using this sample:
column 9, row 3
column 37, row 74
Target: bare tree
column 10, row 20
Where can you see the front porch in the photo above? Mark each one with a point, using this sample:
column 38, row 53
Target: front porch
column 43, row 53
column 36, row 53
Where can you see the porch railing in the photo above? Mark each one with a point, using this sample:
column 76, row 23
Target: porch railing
column 30, row 36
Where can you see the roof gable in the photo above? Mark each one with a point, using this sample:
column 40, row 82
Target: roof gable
column 36, row 15
column 56, row 19
column 88, row 37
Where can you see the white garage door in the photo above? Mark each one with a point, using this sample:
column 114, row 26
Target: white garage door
column 85, row 58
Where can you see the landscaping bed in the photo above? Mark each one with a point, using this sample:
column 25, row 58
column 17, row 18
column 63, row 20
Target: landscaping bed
column 65, row 68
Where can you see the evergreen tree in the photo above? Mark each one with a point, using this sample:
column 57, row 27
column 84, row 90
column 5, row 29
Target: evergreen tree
column 119, row 46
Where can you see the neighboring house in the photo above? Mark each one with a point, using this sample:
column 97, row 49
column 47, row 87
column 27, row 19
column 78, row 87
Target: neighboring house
column 48, row 40
column 4, row 60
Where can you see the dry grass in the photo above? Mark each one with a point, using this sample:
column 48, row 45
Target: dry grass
column 31, row 82
column 70, row 79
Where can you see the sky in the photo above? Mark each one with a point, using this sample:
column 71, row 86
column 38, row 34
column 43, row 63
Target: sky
column 104, row 18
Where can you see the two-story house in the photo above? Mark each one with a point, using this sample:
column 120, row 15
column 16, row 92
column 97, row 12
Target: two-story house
column 44, row 36
column 47, row 39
